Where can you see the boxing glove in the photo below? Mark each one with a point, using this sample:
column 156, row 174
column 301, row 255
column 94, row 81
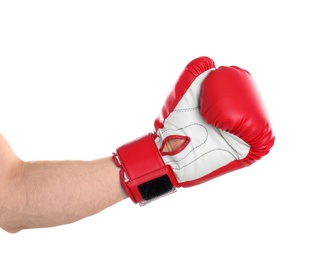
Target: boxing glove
column 221, row 124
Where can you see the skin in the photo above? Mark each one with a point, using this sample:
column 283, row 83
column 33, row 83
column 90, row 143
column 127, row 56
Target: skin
column 40, row 194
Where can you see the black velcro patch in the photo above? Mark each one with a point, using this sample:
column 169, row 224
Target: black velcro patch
column 155, row 188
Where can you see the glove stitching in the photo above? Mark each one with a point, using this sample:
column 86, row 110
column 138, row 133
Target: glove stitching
column 237, row 154
column 218, row 149
column 206, row 138
column 186, row 109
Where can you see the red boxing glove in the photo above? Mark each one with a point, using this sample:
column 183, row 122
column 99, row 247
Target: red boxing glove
column 219, row 116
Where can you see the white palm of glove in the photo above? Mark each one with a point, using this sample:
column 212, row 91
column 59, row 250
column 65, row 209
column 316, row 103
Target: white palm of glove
column 206, row 148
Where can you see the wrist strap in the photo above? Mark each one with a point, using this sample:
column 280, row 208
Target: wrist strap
column 144, row 175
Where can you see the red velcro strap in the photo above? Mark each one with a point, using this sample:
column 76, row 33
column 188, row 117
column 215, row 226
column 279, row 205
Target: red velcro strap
column 144, row 174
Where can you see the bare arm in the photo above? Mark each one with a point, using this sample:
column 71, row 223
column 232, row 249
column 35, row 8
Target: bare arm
column 51, row 193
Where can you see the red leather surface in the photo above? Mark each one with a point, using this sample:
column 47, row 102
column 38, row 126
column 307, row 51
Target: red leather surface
column 230, row 100
column 141, row 160
column 188, row 75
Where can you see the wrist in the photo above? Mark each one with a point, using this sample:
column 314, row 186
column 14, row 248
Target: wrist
column 143, row 173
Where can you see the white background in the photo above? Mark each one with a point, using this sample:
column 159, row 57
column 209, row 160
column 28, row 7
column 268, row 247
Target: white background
column 80, row 78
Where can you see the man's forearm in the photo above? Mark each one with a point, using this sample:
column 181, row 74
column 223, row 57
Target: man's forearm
column 52, row 193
